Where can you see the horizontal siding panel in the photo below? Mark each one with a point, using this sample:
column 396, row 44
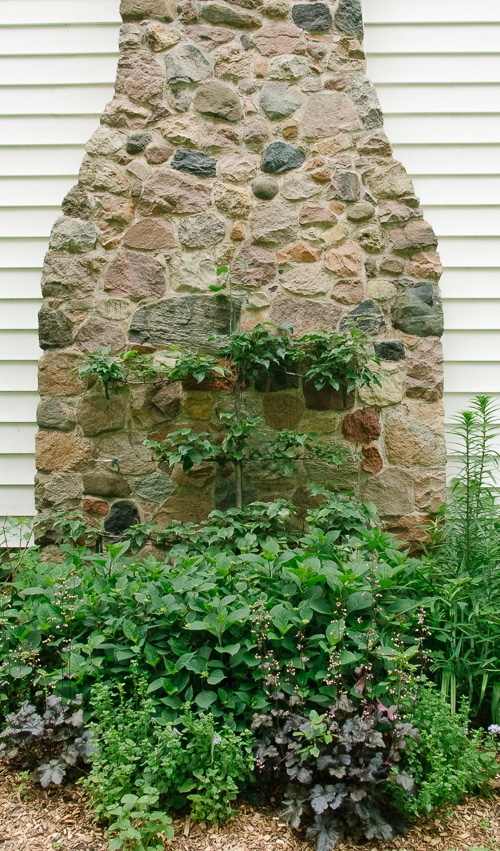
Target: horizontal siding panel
column 439, row 38
column 47, row 71
column 472, row 315
column 34, row 191
column 17, row 501
column 18, row 407
column 472, row 378
column 17, row 439
column 59, row 11
column 401, row 100
column 19, row 377
column 16, row 470
column 442, row 129
column 429, row 11
column 19, row 315
column 459, row 190
column 56, row 100
column 22, row 253
column 56, row 40
column 470, row 253
column 23, row 343
column 464, row 221
column 471, row 346
column 43, row 130
column 433, row 69
column 450, row 159
column 471, row 284
column 56, row 161
column 28, row 222
column 22, row 284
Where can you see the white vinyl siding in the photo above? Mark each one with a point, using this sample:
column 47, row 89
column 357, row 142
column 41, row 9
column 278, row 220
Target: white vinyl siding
column 436, row 66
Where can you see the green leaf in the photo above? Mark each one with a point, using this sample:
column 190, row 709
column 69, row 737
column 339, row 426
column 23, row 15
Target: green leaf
column 204, row 699
column 216, row 677
column 358, row 601
column 131, row 630
column 348, row 658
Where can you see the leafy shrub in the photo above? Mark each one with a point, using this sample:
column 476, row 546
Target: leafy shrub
column 141, row 769
column 334, row 768
column 203, row 627
column 447, row 760
column 49, row 744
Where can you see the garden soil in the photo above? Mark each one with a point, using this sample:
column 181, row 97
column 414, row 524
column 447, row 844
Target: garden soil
column 32, row 819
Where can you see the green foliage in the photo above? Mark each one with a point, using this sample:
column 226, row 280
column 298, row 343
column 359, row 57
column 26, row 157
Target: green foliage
column 459, row 580
column 223, row 628
column 103, row 366
column 447, row 760
column 198, row 366
column 142, row 770
column 343, row 361
column 264, row 348
column 335, row 767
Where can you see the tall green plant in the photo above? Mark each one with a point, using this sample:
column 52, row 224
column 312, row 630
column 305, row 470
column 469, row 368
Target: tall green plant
column 460, row 578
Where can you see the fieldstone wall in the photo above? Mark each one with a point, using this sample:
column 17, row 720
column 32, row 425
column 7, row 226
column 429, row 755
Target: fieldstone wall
column 242, row 133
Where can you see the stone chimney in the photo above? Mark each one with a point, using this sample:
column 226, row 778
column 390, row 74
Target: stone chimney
column 242, row 133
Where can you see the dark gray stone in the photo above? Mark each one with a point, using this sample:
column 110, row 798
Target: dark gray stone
column 187, row 321
column 122, row 515
column 54, row 413
column 344, row 186
column 77, row 204
column 137, row 142
column 55, row 331
column 194, row 163
column 349, row 17
column 104, row 483
column 419, row 311
column 219, row 13
column 363, row 93
column 390, row 350
column 313, row 17
column 154, row 488
column 280, row 157
column 265, row 188
column 367, row 316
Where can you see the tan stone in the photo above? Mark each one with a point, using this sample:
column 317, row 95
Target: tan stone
column 182, row 130
column 114, row 210
column 334, row 145
column 238, row 167
column 58, row 374
column 416, row 234
column 430, row 490
column 219, row 138
column 335, row 235
column 105, row 142
column 390, row 182
column 260, row 67
column 238, row 233
column 274, row 222
column 392, row 390
column 346, row 260
column 233, row 201
column 327, row 421
column 58, row 451
column 431, row 413
column 314, row 213
column 198, row 406
column 411, row 443
column 305, row 314
column 96, row 413
column 62, row 488
column 274, row 39
column 136, row 275
column 373, row 462
column 381, row 290
column 392, row 265
column 157, row 153
column 208, row 36
column 169, row 190
column 187, row 504
column 303, row 253
column 351, row 291
column 103, row 176
column 306, row 280
column 282, row 410
column 140, row 77
column 134, row 10
column 425, row 264
column 290, row 129
column 328, row 113
column 160, row 38
column 232, row 63
column 134, row 459
column 193, row 272
column 424, row 376
column 413, row 529
column 150, row 234
column 391, row 491
column 97, row 332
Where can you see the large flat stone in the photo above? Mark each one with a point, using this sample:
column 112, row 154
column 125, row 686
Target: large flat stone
column 173, row 191
column 274, row 222
column 185, row 321
column 328, row 113
column 218, row 100
column 136, row 275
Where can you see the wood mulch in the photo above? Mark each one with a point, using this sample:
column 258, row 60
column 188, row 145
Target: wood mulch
column 32, row 819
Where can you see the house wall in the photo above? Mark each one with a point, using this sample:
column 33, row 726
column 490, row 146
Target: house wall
column 437, row 70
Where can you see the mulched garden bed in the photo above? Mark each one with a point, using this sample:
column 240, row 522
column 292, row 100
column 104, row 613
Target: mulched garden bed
column 32, row 819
